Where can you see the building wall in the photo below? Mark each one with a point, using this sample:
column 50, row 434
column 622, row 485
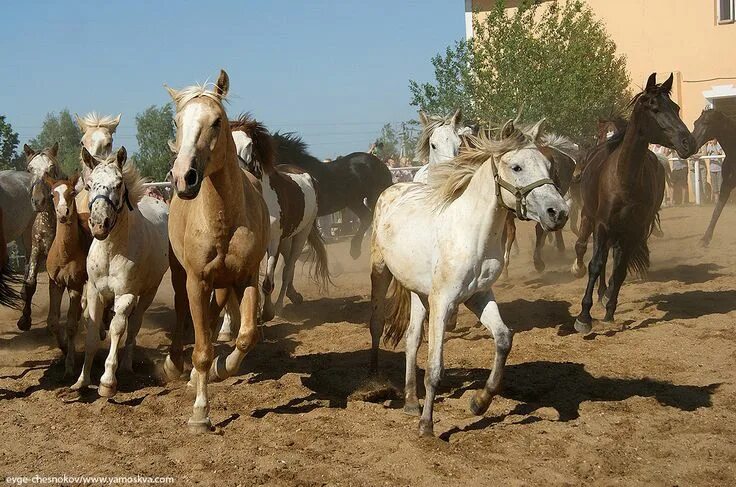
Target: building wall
column 663, row 36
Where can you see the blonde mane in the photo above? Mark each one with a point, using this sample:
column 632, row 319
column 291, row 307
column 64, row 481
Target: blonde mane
column 185, row 95
column 448, row 180
column 132, row 179
column 94, row 119
column 434, row 122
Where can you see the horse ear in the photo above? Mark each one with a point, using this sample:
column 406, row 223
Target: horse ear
column 537, row 129
column 423, row 118
column 174, row 94
column 87, row 159
column 122, row 156
column 116, row 122
column 172, row 145
column 73, row 181
column 54, row 149
column 667, row 85
column 508, row 129
column 48, row 180
column 223, row 84
column 457, row 117
column 80, row 123
column 651, row 82
column 28, row 151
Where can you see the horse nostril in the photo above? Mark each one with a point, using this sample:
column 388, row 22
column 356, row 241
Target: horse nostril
column 191, row 178
column 106, row 223
column 552, row 213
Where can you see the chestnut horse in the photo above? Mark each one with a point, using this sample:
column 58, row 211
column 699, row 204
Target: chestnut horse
column 622, row 186
column 713, row 124
column 67, row 264
column 218, row 228
column 291, row 196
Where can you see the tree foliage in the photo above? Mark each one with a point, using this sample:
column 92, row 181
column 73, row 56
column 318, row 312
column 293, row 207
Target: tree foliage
column 553, row 60
column 395, row 141
column 62, row 129
column 8, row 145
column 155, row 127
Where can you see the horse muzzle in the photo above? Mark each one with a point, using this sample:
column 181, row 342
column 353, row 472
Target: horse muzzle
column 186, row 185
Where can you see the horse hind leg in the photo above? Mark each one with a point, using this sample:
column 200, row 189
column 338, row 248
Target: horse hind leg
column 380, row 281
column 134, row 326
column 621, row 259
column 287, row 276
column 540, row 234
column 413, row 340
column 56, row 292
column 291, row 293
column 269, row 280
column 92, row 344
column 365, row 215
column 173, row 367
column 584, row 321
column 231, row 319
column 509, row 237
column 586, row 229
column 248, row 332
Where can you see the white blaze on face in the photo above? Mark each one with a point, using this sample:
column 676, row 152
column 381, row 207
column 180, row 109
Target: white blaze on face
column 40, row 165
column 62, row 205
column 98, row 141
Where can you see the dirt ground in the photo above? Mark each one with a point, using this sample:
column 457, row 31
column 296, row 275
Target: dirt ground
column 649, row 401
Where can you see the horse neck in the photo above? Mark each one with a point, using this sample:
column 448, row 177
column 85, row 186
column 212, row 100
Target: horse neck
column 68, row 235
column 119, row 235
column 222, row 190
column 725, row 134
column 478, row 209
column 633, row 147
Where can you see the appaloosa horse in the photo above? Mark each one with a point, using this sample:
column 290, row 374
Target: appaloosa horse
column 218, row 228
column 291, row 197
column 440, row 245
column 354, row 181
column 66, row 265
column 714, row 124
column 622, row 186
column 40, row 165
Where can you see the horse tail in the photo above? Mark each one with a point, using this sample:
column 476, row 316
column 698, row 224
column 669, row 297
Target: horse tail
column 398, row 313
column 320, row 271
column 8, row 295
column 639, row 261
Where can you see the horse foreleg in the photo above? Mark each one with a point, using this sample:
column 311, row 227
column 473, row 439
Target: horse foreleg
column 287, row 276
column 134, row 326
column 123, row 307
column 540, row 235
column 584, row 321
column 365, row 215
column 29, row 287
column 723, row 196
column 199, row 293
column 96, row 310
column 620, row 263
column 484, row 306
column 509, row 233
column 586, row 228
column 413, row 340
column 560, row 242
column 269, row 280
column 441, row 310
column 174, row 364
column 72, row 327
column 248, row 332
column 56, row 292
column 231, row 318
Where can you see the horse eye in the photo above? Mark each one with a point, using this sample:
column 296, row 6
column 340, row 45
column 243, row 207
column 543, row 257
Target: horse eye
column 216, row 124
column 433, row 146
column 516, row 168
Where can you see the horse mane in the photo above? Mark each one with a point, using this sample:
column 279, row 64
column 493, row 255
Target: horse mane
column 291, row 149
column 132, row 179
column 448, row 180
column 263, row 146
column 93, row 119
column 435, row 122
column 185, row 95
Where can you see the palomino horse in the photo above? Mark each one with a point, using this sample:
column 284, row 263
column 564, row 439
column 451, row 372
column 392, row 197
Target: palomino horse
column 354, row 181
column 622, row 186
column 66, row 265
column 219, row 233
column 441, row 241
column 40, row 165
column 97, row 131
column 291, row 197
column 559, row 151
column 438, row 141
column 713, row 124
column 126, row 261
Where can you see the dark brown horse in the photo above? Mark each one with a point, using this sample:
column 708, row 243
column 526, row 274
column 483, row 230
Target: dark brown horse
column 713, row 124
column 622, row 186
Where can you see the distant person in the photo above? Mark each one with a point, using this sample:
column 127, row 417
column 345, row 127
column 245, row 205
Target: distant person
column 713, row 148
column 679, row 181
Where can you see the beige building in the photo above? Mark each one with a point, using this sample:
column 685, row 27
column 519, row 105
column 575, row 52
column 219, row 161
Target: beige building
column 695, row 39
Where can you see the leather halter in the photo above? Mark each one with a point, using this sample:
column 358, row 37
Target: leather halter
column 106, row 199
column 520, row 193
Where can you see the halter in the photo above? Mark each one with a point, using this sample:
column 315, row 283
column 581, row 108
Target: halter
column 107, row 200
column 519, row 193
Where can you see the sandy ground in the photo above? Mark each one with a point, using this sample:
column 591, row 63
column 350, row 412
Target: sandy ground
column 647, row 401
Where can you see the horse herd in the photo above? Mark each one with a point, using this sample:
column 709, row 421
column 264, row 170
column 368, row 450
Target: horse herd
column 243, row 195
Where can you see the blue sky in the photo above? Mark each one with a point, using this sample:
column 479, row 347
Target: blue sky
column 334, row 71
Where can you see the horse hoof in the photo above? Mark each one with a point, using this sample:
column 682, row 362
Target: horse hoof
column 199, row 427
column 297, row 298
column 412, row 409
column 106, row 390
column 539, row 265
column 577, row 270
column 604, row 300
column 477, row 407
column 171, row 371
column 267, row 315
column 24, row 323
column 103, row 334
column 583, row 328
column 426, row 429
column 224, row 336
column 355, row 251
column 218, row 370
column 705, row 242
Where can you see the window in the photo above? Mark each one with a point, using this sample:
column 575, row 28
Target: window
column 725, row 11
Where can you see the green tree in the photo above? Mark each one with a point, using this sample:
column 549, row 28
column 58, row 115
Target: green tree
column 8, row 145
column 155, row 127
column 387, row 143
column 62, row 129
column 553, row 60
column 395, row 142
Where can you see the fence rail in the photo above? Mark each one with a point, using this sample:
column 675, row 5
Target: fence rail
column 696, row 167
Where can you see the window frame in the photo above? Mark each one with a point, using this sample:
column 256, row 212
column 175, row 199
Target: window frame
column 719, row 19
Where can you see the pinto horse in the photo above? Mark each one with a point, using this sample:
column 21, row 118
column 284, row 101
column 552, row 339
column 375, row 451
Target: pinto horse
column 713, row 124
column 218, row 228
column 439, row 246
column 291, row 197
column 354, row 181
column 622, row 186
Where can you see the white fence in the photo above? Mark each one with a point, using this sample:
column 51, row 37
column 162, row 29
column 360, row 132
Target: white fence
column 696, row 167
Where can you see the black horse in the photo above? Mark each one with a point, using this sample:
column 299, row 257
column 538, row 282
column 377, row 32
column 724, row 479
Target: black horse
column 713, row 124
column 354, row 181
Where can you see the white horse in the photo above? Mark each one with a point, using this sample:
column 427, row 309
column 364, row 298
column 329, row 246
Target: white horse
column 438, row 142
column 126, row 262
column 441, row 244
